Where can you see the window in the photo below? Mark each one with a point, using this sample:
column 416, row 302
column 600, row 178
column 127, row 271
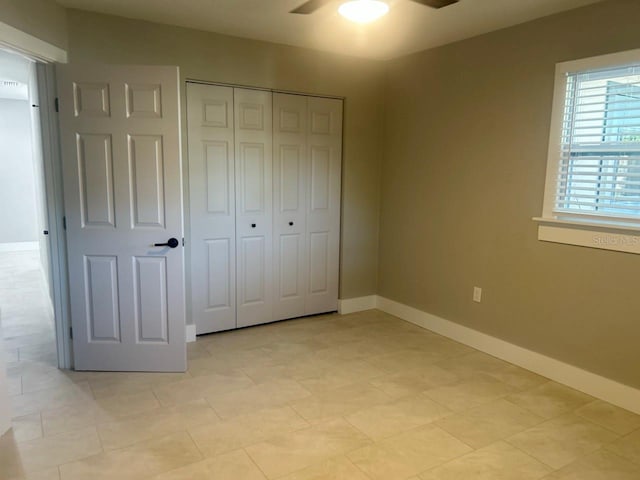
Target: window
column 592, row 195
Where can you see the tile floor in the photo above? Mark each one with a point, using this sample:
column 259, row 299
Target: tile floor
column 356, row 397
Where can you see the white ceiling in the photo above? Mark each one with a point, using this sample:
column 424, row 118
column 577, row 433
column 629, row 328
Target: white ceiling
column 409, row 27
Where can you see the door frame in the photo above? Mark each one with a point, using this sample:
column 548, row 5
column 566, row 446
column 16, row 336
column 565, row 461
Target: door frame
column 45, row 55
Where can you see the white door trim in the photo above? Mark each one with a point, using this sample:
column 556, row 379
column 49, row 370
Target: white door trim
column 596, row 385
column 30, row 46
column 55, row 212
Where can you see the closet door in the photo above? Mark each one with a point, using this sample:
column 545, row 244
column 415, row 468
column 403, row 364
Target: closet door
column 212, row 207
column 254, row 206
column 323, row 203
column 290, row 167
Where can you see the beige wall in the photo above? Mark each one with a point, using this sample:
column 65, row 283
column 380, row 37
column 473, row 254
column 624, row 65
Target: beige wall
column 208, row 56
column 44, row 19
column 467, row 129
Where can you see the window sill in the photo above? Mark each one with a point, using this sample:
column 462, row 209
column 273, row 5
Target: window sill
column 604, row 236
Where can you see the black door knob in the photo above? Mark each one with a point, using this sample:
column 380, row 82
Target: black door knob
column 171, row 243
column 253, row 225
column 291, row 224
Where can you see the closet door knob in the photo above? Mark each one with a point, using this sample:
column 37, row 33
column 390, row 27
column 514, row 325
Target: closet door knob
column 253, row 225
column 291, row 224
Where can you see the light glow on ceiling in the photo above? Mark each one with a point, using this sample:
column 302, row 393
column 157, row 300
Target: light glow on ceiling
column 363, row 11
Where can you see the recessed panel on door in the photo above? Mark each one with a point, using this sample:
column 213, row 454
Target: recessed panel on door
column 95, row 170
column 220, row 277
column 218, row 169
column 146, row 174
column 101, row 290
column 150, row 297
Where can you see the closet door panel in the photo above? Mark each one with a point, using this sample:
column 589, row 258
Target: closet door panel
column 212, row 240
column 254, row 206
column 324, row 150
column 290, row 169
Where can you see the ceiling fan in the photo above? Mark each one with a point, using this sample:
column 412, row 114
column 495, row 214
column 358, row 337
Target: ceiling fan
column 311, row 6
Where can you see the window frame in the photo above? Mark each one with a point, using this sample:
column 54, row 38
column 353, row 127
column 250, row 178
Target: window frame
column 577, row 229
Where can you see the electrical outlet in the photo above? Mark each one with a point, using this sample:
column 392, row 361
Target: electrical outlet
column 477, row 294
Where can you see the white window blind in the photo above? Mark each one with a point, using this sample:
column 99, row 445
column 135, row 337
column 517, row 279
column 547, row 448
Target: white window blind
column 599, row 167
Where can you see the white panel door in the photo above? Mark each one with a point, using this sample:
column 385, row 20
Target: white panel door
column 324, row 150
column 212, row 207
column 290, row 169
column 254, row 206
column 120, row 131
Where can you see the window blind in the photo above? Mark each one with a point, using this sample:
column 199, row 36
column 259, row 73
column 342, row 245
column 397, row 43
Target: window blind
column 599, row 168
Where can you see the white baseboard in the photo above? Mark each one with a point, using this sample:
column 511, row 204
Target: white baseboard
column 19, row 246
column 600, row 387
column 191, row 333
column 359, row 304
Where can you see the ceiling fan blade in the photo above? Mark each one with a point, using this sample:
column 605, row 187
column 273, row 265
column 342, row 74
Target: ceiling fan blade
column 436, row 3
column 310, row 6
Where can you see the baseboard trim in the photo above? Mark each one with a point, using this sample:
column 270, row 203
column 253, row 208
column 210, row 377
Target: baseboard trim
column 595, row 385
column 358, row 304
column 191, row 333
column 19, row 246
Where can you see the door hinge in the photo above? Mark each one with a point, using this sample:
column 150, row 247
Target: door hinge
column 57, row 104
column 71, row 333
column 64, row 222
column 183, row 241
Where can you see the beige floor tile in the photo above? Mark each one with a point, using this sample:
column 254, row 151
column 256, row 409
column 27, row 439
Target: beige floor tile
column 467, row 366
column 601, row 465
column 230, row 466
column 609, row 416
column 562, row 440
column 402, row 456
column 345, row 373
column 288, row 453
column 395, row 417
column 470, row 392
column 34, row 402
column 298, row 370
column 201, row 387
column 264, row 395
column 550, row 399
column 340, row 401
column 627, row 447
column 119, row 405
column 136, row 462
column 485, row 424
column 47, row 452
column 155, row 423
column 28, row 427
column 414, row 380
column 499, row 461
column 337, row 468
column 244, row 430
column 73, row 417
column 109, row 384
column 398, row 361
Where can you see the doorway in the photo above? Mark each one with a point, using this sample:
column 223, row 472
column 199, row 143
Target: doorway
column 26, row 313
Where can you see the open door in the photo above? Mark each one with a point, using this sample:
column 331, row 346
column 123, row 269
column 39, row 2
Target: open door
column 120, row 137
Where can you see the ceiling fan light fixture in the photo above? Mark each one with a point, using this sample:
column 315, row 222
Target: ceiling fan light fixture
column 363, row 11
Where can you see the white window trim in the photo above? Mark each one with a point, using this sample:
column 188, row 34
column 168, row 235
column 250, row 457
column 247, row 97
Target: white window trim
column 584, row 232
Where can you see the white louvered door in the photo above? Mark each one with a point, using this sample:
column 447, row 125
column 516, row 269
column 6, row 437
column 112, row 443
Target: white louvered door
column 120, row 136
column 212, row 212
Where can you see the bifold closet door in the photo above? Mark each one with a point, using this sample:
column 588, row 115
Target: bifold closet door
column 210, row 116
column 290, row 170
column 254, row 206
column 324, row 152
